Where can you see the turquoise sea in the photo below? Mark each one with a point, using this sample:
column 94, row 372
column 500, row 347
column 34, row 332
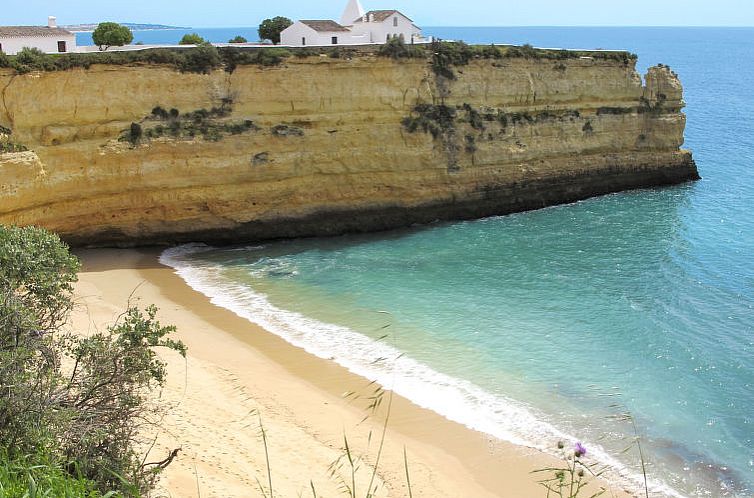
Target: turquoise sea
column 545, row 325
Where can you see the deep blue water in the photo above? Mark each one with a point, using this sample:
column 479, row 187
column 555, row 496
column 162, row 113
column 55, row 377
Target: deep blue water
column 547, row 323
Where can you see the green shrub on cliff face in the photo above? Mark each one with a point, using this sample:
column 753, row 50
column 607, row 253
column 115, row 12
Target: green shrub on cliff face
column 78, row 402
column 209, row 124
column 430, row 118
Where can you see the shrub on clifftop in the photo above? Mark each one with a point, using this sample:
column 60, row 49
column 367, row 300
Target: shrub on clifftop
column 191, row 39
column 111, row 34
column 396, row 48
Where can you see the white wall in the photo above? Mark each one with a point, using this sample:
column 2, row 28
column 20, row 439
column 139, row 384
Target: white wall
column 293, row 35
column 48, row 44
column 378, row 31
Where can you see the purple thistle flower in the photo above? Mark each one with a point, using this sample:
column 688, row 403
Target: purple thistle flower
column 579, row 450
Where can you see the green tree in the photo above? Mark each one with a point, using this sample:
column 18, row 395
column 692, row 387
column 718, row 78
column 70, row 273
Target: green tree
column 191, row 39
column 270, row 29
column 238, row 39
column 111, row 34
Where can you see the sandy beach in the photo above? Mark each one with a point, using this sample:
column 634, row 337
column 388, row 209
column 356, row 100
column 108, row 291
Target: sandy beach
column 236, row 374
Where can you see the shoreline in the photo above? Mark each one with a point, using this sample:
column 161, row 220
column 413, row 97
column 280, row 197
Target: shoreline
column 236, row 370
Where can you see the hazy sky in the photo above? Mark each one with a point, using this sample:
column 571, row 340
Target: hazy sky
column 232, row 13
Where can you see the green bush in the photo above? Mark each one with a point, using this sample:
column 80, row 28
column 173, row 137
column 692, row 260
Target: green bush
column 30, row 59
column 135, row 133
column 190, row 124
column 78, row 399
column 431, row 118
column 201, row 59
column 238, row 39
column 111, row 34
column 4, row 60
column 396, row 48
column 445, row 55
column 192, row 39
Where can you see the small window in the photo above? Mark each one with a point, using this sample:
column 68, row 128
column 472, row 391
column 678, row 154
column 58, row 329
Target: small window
column 61, row 46
column 387, row 38
column 303, row 40
column 334, row 40
column 395, row 21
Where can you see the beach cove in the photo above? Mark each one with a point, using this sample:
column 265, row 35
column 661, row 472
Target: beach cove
column 235, row 369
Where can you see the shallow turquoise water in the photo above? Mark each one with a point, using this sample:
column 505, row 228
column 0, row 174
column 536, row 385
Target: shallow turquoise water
column 640, row 303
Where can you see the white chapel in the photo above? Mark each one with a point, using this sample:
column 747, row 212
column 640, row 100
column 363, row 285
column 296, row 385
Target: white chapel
column 356, row 27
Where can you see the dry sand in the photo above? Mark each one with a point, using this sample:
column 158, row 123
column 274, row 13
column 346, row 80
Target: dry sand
column 237, row 374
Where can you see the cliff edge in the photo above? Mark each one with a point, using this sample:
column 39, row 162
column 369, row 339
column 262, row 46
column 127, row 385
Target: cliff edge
column 144, row 154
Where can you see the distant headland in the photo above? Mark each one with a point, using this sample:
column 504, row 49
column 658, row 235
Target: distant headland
column 133, row 26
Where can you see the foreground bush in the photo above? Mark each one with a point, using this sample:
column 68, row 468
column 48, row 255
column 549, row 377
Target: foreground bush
column 81, row 401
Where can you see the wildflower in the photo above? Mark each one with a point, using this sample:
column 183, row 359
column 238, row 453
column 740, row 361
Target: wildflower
column 579, row 450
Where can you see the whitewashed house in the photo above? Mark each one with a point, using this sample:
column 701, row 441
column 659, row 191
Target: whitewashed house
column 356, row 27
column 49, row 39
column 324, row 32
column 380, row 26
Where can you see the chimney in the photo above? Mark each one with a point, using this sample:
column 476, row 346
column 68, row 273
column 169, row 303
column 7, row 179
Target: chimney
column 52, row 22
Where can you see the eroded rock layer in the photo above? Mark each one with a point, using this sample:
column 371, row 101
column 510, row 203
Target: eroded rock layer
column 317, row 146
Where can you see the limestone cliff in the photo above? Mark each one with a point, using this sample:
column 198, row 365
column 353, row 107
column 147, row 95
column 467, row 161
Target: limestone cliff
column 321, row 146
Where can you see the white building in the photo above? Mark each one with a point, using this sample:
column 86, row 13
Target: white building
column 50, row 39
column 356, row 27
column 303, row 33
column 380, row 26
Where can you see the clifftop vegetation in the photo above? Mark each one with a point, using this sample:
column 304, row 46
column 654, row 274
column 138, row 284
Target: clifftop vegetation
column 205, row 57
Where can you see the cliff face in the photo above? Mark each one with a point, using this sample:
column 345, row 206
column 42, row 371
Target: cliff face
column 321, row 146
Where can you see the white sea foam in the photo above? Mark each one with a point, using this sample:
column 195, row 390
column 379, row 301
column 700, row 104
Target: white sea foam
column 456, row 399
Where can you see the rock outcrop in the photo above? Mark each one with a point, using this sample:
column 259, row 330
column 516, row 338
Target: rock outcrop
column 131, row 155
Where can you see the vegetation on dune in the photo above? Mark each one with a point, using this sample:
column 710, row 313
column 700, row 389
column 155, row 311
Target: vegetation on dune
column 238, row 39
column 72, row 407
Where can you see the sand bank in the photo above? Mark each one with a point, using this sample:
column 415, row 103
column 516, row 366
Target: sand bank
column 237, row 374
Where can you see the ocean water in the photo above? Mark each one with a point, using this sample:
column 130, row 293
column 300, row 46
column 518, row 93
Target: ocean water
column 546, row 325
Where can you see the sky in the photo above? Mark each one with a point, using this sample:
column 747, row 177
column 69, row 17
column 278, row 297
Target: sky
column 236, row 13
